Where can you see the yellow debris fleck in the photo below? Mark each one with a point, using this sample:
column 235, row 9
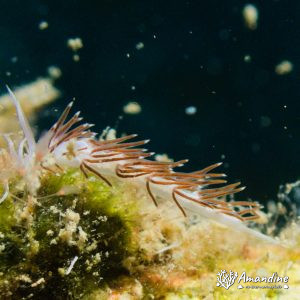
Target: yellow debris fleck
column 50, row 232
column 250, row 15
column 25, row 278
column 284, row 67
column 111, row 134
column 132, row 108
column 38, row 282
column 54, row 72
column 43, row 25
column 163, row 158
column 75, row 44
column 76, row 57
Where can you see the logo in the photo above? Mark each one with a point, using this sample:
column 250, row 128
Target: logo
column 226, row 280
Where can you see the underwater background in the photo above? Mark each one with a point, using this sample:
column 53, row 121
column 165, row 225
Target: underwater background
column 168, row 56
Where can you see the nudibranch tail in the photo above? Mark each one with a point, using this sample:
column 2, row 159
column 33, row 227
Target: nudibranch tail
column 71, row 144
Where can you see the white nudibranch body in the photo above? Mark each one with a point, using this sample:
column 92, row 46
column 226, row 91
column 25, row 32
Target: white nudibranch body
column 69, row 145
column 72, row 153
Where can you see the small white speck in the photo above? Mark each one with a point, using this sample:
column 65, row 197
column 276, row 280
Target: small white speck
column 54, row 72
column 72, row 265
column 247, row 58
column 43, row 25
column 190, row 110
column 139, row 46
column 76, row 57
column 127, row 55
column 14, row 59
column 133, row 88
column 50, row 232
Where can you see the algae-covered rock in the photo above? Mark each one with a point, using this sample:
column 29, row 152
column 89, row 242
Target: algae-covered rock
column 72, row 241
column 80, row 238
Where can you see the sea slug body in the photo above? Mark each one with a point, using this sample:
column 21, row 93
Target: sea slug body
column 69, row 144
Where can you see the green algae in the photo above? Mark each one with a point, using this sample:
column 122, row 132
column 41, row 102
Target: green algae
column 80, row 238
column 73, row 218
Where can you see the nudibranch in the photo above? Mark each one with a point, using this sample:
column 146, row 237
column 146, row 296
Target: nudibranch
column 71, row 144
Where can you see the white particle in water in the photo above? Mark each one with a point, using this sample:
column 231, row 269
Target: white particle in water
column 190, row 110
column 139, row 46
